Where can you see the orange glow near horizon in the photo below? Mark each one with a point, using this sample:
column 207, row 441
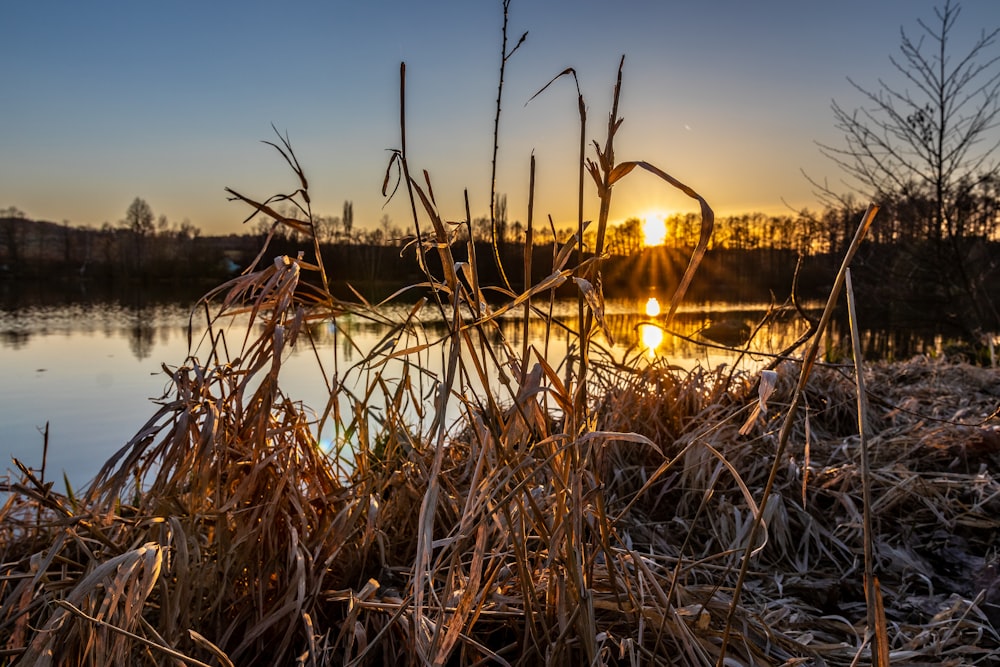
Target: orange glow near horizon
column 654, row 229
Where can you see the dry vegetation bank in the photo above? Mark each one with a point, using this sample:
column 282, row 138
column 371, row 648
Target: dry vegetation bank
column 223, row 533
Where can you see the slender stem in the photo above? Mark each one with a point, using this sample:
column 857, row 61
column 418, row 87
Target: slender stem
column 581, row 388
column 496, row 143
column 786, row 427
column 403, row 160
column 866, row 483
column 528, row 249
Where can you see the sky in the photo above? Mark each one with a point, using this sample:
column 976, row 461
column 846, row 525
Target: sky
column 105, row 101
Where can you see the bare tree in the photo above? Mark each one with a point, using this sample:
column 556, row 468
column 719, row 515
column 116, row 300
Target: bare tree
column 139, row 217
column 500, row 220
column 933, row 143
column 625, row 238
column 139, row 220
column 927, row 152
column 391, row 234
column 482, row 229
column 327, row 228
column 348, row 220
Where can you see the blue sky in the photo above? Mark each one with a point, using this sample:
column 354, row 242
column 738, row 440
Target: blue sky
column 105, row 101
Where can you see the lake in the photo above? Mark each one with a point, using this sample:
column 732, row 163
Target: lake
column 92, row 371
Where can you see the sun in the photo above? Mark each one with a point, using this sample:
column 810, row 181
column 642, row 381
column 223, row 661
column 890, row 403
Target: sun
column 654, row 229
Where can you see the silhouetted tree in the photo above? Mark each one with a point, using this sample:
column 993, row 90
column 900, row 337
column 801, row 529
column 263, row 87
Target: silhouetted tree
column 482, row 229
column 625, row 238
column 12, row 238
column 139, row 220
column 188, row 231
column 327, row 228
column 139, row 217
column 927, row 154
column 391, row 234
column 930, row 142
column 517, row 231
column 500, row 218
column 348, row 219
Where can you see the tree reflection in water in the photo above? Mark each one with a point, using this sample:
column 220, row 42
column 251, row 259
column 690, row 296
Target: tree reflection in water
column 141, row 335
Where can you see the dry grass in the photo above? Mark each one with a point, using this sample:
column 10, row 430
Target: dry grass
column 578, row 511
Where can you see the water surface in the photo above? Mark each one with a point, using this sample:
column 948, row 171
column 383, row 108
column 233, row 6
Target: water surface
column 91, row 373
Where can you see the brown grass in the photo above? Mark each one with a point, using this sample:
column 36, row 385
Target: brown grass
column 580, row 511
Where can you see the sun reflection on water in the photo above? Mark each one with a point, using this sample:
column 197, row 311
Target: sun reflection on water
column 651, row 336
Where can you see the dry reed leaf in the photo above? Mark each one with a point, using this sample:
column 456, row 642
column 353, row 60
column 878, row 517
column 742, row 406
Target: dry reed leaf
column 605, row 436
column 211, row 648
column 130, row 575
column 595, row 301
column 768, row 381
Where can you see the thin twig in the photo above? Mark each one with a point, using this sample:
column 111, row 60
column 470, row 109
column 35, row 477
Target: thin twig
column 786, row 427
column 876, row 620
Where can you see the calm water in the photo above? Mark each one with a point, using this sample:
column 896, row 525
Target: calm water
column 92, row 372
